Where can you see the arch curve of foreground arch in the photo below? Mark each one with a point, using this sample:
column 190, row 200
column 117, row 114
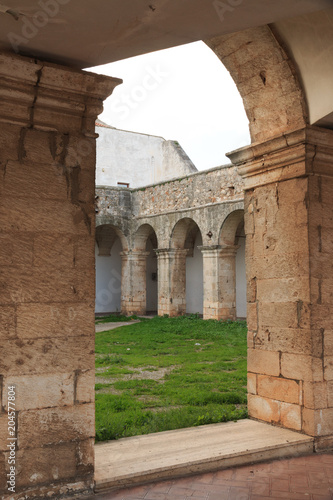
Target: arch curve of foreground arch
column 183, row 232
column 110, row 232
column 229, row 227
column 142, row 234
column 267, row 80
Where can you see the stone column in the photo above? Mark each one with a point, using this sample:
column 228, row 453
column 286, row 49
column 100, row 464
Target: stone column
column 219, row 270
column 288, row 225
column 171, row 281
column 134, row 282
column 47, row 282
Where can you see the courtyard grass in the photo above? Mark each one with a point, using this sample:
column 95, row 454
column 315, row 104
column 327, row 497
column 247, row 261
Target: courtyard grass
column 114, row 318
column 169, row 373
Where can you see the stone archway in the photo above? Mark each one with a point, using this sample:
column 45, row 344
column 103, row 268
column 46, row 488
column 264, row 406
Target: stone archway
column 172, row 267
column 232, row 264
column 288, row 214
column 185, row 239
column 266, row 78
column 142, row 272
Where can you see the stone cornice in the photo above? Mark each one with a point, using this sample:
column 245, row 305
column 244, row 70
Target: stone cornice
column 299, row 153
column 49, row 97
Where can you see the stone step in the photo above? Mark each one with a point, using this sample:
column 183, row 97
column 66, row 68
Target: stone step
column 172, row 454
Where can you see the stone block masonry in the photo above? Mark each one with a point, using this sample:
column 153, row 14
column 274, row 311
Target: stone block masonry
column 288, row 224
column 220, row 184
column 47, row 165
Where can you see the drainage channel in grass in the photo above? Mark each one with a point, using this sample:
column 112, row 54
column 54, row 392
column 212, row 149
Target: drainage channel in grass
column 169, row 373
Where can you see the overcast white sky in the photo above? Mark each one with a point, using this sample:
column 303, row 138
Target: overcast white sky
column 184, row 94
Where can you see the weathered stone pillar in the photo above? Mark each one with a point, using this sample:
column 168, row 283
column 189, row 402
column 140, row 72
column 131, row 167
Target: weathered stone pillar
column 227, row 282
column 171, row 281
column 47, row 282
column 288, row 225
column 219, row 271
column 134, row 282
column 211, row 303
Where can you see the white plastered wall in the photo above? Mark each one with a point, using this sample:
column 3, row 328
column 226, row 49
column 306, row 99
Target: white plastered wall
column 138, row 159
column 108, row 280
column 194, row 279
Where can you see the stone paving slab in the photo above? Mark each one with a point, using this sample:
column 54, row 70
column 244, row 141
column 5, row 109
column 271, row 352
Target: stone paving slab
column 182, row 452
column 103, row 327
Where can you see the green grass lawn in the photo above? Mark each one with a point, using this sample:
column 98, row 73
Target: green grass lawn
column 169, row 373
column 114, row 318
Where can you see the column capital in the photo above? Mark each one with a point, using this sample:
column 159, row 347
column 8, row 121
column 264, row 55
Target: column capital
column 209, row 248
column 229, row 250
column 134, row 254
column 295, row 154
column 218, row 250
column 161, row 251
column 210, row 251
column 50, row 97
column 171, row 252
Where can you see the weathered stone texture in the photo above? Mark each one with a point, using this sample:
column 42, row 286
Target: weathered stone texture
column 46, row 355
column 279, row 388
column 171, row 279
column 42, row 427
column 288, row 220
column 196, row 190
column 133, row 293
column 84, row 386
column 37, row 321
column 46, row 465
column 46, row 287
column 114, row 201
column 316, row 395
column 213, row 186
column 275, row 412
column 264, row 74
column 219, row 273
column 219, row 282
column 40, row 391
column 264, row 362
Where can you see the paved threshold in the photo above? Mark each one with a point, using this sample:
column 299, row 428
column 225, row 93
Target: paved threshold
column 104, row 327
column 172, row 454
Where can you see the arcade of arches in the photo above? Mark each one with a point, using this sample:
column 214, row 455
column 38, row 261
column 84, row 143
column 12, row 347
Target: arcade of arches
column 176, row 260
column 284, row 72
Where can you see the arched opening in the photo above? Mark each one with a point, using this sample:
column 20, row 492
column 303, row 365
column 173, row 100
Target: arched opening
column 290, row 337
column 109, row 244
column 232, row 264
column 263, row 73
column 187, row 236
column 145, row 240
